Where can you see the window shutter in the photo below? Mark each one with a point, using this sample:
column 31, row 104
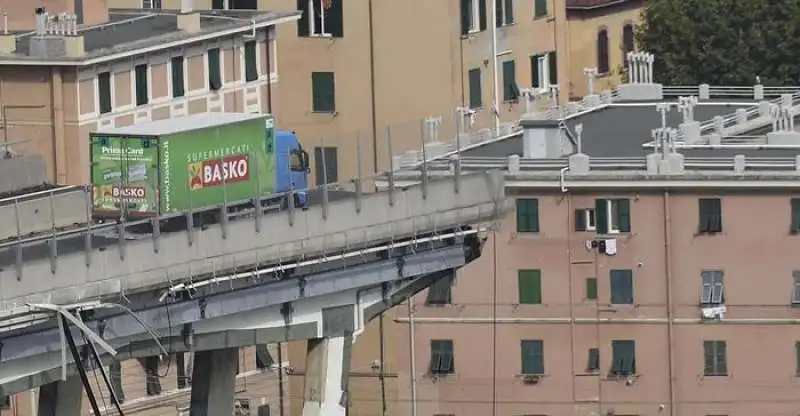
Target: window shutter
column 601, row 215
column 214, row 75
column 250, row 62
column 482, row 14
column 509, row 11
column 177, row 77
column 535, row 71
column 465, row 16
column 795, row 215
column 302, row 24
column 624, row 214
column 580, row 220
column 334, row 19
column 553, row 67
column 475, row 94
column 498, row 12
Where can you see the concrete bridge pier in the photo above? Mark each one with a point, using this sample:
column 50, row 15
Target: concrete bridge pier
column 327, row 362
column 61, row 398
column 214, row 382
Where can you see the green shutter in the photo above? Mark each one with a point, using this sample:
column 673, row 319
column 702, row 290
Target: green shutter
column 177, row 77
column 601, row 215
column 104, row 92
column 795, row 221
column 475, row 94
column 250, row 61
column 722, row 358
column 302, row 23
column 140, row 79
column 510, row 90
column 482, row 14
column 509, row 9
column 529, row 284
column 623, row 215
column 552, row 61
column 623, row 353
column 621, row 287
column 532, row 352
column 528, row 215
column 466, row 16
column 540, row 8
column 323, row 92
column 535, row 71
column 214, row 70
column 591, row 288
column 797, row 357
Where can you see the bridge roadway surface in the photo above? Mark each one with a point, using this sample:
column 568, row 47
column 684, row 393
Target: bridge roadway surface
column 110, row 267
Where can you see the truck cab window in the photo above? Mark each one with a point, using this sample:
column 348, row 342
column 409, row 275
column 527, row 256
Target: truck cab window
column 296, row 161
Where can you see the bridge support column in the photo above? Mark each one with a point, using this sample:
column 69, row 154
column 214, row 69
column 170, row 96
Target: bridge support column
column 214, row 382
column 61, row 398
column 327, row 371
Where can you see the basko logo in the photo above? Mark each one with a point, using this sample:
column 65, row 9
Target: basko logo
column 135, row 192
column 215, row 172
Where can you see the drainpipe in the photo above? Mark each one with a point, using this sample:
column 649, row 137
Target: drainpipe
column 495, row 75
column 58, row 126
column 670, row 311
column 372, row 94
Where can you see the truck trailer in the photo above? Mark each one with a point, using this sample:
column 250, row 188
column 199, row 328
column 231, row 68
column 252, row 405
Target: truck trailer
column 194, row 162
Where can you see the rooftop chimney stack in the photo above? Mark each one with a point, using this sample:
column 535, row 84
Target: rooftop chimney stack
column 8, row 42
column 188, row 19
column 56, row 35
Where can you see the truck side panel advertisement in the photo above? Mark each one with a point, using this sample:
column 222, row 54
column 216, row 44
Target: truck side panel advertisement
column 206, row 167
column 124, row 175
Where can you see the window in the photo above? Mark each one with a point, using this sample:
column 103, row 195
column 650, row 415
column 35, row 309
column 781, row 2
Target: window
column 796, row 288
column 529, row 283
column 321, row 18
column 612, row 216
column 602, row 52
column 621, row 287
column 323, row 92
column 442, row 359
column 585, row 220
column 627, row 42
column 5, row 402
column 510, row 89
column 475, row 94
column 797, row 358
column 528, row 215
column 591, row 288
column 532, row 356
column 140, row 75
column 115, row 373
column 296, row 161
column 178, row 80
column 326, row 165
column 623, row 357
column 795, row 216
column 593, row 363
column 713, row 288
column 539, row 8
column 214, row 70
column 250, row 61
column 236, row 4
column 104, row 92
column 716, row 362
column 544, row 72
column 440, row 292
column 473, row 16
column 153, row 382
column 151, row 4
column 710, row 213
column 263, row 357
column 504, row 12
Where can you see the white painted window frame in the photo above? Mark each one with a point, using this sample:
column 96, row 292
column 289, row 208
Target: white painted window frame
column 543, row 62
column 313, row 31
column 611, row 211
column 149, row 76
column 590, row 219
column 185, row 78
column 503, row 22
column 152, row 4
column 273, row 46
column 475, row 21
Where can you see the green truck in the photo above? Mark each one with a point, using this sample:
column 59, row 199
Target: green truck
column 192, row 162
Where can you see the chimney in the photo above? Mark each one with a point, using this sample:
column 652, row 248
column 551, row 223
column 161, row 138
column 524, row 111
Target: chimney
column 56, row 36
column 8, row 42
column 188, row 18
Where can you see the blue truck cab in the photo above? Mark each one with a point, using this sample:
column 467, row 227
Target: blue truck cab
column 291, row 167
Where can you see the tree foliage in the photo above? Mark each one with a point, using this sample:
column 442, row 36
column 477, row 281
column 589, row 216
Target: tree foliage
column 722, row 42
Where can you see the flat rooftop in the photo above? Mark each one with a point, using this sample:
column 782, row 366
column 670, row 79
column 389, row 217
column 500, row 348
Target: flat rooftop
column 621, row 128
column 132, row 29
column 181, row 124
